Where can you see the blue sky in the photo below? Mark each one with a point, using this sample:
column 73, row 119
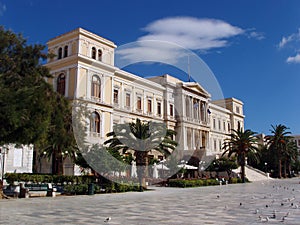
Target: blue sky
column 252, row 47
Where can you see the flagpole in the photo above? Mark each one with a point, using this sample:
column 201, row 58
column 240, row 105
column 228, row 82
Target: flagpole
column 189, row 73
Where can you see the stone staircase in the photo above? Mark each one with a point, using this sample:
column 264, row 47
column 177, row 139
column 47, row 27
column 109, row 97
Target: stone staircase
column 253, row 174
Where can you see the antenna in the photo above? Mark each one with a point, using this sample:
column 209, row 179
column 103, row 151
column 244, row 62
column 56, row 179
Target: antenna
column 189, row 72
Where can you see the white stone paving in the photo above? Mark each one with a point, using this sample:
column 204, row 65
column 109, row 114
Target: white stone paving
column 234, row 204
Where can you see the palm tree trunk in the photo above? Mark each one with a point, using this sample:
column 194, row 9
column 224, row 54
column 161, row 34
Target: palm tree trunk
column 242, row 164
column 1, row 189
column 2, row 195
column 243, row 173
column 279, row 169
column 141, row 167
column 289, row 169
column 284, row 169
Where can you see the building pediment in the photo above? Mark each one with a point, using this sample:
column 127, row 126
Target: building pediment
column 195, row 88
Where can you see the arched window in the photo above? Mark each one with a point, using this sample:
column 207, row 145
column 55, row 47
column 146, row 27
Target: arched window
column 93, row 53
column 99, row 55
column 96, row 85
column 239, row 125
column 61, row 84
column 95, row 122
column 59, row 53
column 66, row 51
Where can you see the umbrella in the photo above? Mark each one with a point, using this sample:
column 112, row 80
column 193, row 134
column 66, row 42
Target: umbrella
column 155, row 171
column 133, row 170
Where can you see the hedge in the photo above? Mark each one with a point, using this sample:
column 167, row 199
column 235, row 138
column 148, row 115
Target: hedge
column 200, row 182
column 48, row 178
column 192, row 183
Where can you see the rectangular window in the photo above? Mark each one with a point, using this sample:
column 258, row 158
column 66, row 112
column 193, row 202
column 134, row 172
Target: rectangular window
column 171, row 110
column 139, row 103
column 237, row 109
column 149, row 108
column 18, row 157
column 127, row 101
column 116, row 96
column 159, row 108
column 214, row 123
column 299, row 142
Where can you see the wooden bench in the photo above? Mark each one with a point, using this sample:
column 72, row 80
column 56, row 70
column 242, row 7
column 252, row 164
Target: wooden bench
column 40, row 189
column 12, row 191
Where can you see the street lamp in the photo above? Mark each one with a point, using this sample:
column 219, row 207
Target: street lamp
column 3, row 151
column 266, row 164
column 201, row 165
column 162, row 161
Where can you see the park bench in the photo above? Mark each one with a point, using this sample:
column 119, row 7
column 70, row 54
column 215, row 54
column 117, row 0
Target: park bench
column 12, row 191
column 40, row 189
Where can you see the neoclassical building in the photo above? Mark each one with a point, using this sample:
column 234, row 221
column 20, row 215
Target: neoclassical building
column 83, row 68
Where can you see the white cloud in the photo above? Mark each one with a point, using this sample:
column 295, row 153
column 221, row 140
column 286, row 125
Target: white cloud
column 256, row 35
column 2, row 8
column 289, row 39
column 294, row 59
column 169, row 39
column 192, row 33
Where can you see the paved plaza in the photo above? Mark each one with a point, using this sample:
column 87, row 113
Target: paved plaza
column 253, row 203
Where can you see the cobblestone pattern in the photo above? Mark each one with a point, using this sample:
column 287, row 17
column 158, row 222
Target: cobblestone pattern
column 253, row 203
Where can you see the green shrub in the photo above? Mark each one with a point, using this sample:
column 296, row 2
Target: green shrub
column 192, row 183
column 76, row 189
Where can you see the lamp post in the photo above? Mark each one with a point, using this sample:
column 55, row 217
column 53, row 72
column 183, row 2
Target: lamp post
column 201, row 165
column 3, row 151
column 266, row 164
column 162, row 167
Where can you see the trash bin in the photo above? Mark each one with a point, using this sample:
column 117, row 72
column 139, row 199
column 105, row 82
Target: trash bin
column 91, row 188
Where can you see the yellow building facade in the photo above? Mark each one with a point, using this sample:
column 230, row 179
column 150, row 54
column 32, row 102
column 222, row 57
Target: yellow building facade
column 83, row 68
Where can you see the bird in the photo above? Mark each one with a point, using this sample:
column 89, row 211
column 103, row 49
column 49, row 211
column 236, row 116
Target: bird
column 107, row 219
column 241, row 203
column 274, row 215
column 264, row 219
column 218, row 196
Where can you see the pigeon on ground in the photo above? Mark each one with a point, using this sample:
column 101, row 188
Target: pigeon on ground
column 107, row 219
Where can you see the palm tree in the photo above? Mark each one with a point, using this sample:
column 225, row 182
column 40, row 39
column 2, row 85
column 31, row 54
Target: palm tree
column 289, row 155
column 277, row 143
column 141, row 137
column 241, row 143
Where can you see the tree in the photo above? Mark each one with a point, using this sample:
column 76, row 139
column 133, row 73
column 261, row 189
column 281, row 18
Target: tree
column 25, row 97
column 241, row 143
column 222, row 164
column 277, row 143
column 141, row 137
column 60, row 141
column 290, row 155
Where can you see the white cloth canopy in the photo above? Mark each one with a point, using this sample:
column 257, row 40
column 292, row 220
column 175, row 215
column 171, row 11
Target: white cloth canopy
column 188, row 167
column 162, row 167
